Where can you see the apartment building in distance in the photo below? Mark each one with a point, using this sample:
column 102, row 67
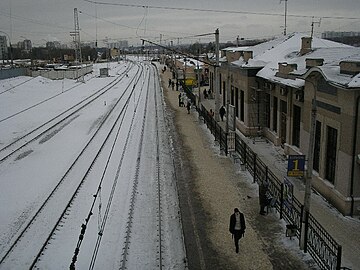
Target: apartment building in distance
column 3, row 48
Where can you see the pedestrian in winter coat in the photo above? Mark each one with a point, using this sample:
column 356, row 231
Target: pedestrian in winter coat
column 237, row 227
column 205, row 94
column 263, row 197
column 188, row 106
column 222, row 113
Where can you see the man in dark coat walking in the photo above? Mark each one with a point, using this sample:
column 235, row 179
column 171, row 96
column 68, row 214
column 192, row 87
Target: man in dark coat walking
column 237, row 227
column 222, row 113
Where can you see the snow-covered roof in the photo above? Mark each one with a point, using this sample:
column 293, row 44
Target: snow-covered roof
column 280, row 49
column 191, row 62
column 236, row 49
column 268, row 55
column 331, row 55
column 333, row 75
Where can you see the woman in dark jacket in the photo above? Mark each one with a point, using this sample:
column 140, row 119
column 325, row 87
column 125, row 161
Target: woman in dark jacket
column 237, row 227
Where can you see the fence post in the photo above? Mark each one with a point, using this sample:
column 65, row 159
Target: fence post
column 301, row 221
column 245, row 156
column 281, row 200
column 226, row 144
column 255, row 167
column 306, row 231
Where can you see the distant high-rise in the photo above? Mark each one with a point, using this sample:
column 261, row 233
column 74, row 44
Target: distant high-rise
column 3, row 48
column 118, row 44
column 333, row 34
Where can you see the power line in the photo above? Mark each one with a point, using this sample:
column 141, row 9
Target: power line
column 219, row 11
column 28, row 20
column 188, row 35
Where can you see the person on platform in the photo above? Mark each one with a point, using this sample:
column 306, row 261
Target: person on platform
column 222, row 113
column 237, row 227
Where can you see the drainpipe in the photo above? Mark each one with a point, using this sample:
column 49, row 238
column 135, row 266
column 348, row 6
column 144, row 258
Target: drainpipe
column 353, row 154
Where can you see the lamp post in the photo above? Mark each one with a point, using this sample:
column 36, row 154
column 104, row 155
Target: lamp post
column 198, row 83
column 217, row 79
column 309, row 169
column 198, row 80
column 11, row 58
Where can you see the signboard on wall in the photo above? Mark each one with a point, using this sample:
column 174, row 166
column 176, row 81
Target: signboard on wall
column 296, row 165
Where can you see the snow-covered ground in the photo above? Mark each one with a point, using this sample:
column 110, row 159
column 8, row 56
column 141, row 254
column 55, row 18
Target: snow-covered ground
column 97, row 154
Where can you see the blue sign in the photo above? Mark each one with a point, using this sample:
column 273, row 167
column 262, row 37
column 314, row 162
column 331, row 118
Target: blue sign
column 296, row 165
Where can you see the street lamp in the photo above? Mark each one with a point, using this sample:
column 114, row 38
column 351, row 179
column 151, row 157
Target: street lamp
column 217, row 77
column 198, row 80
column 10, row 48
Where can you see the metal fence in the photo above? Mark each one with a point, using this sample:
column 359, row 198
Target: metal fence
column 319, row 243
column 12, row 72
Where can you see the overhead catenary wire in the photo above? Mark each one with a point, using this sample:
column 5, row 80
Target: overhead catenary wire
column 179, row 52
column 218, row 10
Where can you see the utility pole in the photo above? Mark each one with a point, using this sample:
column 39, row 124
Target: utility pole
column 312, row 25
column 78, row 56
column 309, row 169
column 228, row 89
column 217, row 79
column 198, row 80
column 285, row 15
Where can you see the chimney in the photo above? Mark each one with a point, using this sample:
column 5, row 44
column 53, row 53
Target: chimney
column 314, row 62
column 349, row 67
column 248, row 55
column 305, row 45
column 285, row 68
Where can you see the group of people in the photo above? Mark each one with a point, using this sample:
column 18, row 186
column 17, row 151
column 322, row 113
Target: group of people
column 171, row 84
column 184, row 100
column 207, row 94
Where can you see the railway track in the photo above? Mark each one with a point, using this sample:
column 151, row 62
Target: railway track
column 34, row 134
column 41, row 213
column 130, row 169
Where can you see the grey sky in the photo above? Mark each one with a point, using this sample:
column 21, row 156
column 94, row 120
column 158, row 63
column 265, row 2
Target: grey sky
column 48, row 20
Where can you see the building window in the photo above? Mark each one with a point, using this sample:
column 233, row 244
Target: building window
column 283, row 120
column 316, row 161
column 296, row 126
column 220, row 79
column 274, row 112
column 242, row 106
column 267, row 110
column 331, row 147
column 224, row 93
column 232, row 95
column 237, row 102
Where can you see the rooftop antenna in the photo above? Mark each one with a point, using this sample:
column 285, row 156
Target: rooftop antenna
column 285, row 14
column 312, row 25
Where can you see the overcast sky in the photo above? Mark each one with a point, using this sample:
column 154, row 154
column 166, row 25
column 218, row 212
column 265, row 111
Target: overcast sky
column 53, row 20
